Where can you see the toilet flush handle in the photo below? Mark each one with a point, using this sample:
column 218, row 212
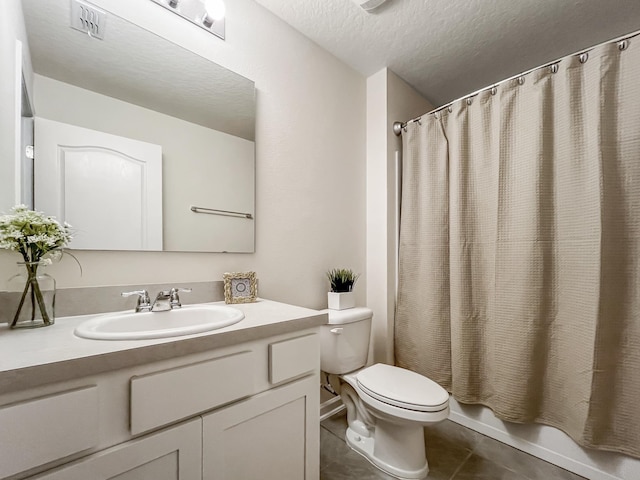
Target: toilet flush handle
column 337, row 331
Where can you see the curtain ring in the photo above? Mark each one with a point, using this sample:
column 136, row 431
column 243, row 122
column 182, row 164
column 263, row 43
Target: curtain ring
column 494, row 90
column 554, row 68
column 469, row 101
column 450, row 109
column 435, row 115
column 419, row 121
column 623, row 44
column 584, row 57
column 520, row 80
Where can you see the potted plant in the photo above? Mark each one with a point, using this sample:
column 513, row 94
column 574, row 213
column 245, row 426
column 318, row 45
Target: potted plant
column 341, row 295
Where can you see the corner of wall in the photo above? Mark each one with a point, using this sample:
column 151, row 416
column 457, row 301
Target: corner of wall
column 389, row 99
column 377, row 292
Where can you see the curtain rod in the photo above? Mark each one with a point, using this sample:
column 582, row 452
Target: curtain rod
column 398, row 127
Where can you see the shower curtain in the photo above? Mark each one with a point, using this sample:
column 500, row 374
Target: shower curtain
column 519, row 270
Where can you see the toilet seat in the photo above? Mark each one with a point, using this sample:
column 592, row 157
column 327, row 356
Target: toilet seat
column 402, row 388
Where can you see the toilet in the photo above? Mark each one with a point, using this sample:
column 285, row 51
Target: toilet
column 387, row 406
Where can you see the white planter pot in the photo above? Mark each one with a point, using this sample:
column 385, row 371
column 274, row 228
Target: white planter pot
column 341, row 301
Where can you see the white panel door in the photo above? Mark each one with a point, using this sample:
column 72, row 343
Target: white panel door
column 171, row 454
column 271, row 436
column 109, row 188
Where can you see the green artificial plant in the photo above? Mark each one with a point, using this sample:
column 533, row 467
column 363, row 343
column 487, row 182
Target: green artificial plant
column 342, row 279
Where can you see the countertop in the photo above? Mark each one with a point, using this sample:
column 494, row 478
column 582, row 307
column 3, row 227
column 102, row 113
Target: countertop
column 31, row 357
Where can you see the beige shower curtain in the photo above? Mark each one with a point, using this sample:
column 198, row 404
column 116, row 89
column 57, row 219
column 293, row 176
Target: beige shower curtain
column 519, row 282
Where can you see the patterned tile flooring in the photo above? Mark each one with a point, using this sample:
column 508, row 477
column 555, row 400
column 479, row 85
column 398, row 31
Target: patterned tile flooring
column 453, row 451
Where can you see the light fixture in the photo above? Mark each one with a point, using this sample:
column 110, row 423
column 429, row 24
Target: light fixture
column 207, row 14
column 368, row 5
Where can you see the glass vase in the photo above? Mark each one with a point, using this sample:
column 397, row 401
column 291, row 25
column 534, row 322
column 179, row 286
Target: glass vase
column 35, row 296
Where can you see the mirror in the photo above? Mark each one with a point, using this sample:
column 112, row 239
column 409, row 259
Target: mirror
column 139, row 144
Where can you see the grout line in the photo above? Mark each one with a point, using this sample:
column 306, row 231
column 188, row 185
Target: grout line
column 512, row 449
column 333, row 433
column 486, row 438
column 461, row 465
column 570, row 464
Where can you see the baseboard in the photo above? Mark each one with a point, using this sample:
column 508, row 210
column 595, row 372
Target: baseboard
column 627, row 465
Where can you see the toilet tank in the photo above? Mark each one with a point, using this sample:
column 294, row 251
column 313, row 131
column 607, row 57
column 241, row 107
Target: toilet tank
column 344, row 341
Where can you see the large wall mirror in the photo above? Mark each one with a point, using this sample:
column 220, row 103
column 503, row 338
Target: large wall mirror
column 139, row 143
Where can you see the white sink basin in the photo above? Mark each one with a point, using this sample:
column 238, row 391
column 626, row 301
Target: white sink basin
column 173, row 323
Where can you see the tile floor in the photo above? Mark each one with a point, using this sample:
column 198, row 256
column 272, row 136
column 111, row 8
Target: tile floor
column 453, row 451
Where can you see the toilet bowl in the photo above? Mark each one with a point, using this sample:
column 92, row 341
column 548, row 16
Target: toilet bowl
column 387, row 406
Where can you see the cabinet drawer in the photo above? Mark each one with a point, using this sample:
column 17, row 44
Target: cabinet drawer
column 161, row 398
column 39, row 431
column 294, row 357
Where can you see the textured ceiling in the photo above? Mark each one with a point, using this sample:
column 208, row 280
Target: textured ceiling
column 448, row 48
column 136, row 66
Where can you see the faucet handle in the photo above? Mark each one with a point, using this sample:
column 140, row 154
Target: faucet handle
column 175, row 298
column 144, row 302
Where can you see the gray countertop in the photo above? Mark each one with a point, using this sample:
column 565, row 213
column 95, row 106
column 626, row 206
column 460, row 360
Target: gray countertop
column 53, row 354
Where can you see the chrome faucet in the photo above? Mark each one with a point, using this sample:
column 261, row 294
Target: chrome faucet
column 144, row 302
column 168, row 300
column 175, row 299
column 165, row 300
column 161, row 303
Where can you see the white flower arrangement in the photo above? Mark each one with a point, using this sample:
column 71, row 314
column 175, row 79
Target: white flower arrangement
column 39, row 239
column 34, row 235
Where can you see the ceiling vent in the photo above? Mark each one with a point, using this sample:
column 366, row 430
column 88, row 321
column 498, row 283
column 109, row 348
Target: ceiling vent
column 368, row 5
column 88, row 19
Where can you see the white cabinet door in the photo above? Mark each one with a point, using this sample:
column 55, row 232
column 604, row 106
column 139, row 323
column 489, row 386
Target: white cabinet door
column 270, row 436
column 172, row 454
column 109, row 188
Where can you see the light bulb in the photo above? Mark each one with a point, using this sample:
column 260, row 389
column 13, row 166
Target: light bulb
column 215, row 10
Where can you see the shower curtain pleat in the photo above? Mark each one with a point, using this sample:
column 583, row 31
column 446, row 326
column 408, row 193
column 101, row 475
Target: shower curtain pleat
column 614, row 413
column 519, row 273
column 424, row 287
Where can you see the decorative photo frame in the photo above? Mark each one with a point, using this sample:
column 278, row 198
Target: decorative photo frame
column 240, row 287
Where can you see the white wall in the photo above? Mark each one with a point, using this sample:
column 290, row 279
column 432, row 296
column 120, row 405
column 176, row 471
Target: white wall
column 201, row 166
column 310, row 163
column 14, row 57
column 389, row 99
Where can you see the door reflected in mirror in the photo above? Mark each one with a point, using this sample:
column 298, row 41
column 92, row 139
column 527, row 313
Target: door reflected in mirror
column 98, row 102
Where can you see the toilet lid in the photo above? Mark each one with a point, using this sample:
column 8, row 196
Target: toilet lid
column 402, row 388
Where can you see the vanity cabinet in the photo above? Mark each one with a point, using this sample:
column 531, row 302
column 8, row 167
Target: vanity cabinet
column 246, row 411
column 172, row 454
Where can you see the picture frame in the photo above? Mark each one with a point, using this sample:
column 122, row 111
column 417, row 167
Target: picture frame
column 240, row 287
